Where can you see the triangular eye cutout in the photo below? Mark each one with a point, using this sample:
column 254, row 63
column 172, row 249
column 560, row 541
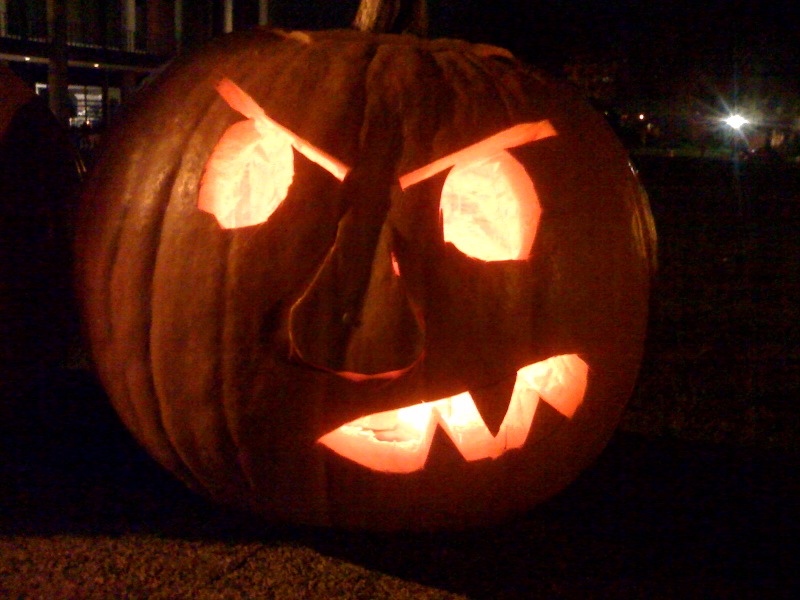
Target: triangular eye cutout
column 398, row 441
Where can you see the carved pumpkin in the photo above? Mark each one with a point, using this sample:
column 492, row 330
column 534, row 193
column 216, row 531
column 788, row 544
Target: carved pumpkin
column 38, row 177
column 366, row 280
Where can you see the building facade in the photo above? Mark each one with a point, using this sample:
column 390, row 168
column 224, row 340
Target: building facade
column 95, row 53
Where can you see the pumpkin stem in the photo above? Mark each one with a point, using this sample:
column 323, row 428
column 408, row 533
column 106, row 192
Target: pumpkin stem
column 393, row 16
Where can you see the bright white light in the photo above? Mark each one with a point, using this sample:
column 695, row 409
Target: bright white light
column 736, row 121
column 641, row 117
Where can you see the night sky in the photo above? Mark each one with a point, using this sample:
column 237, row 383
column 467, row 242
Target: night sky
column 662, row 44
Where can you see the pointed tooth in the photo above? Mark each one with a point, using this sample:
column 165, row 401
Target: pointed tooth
column 442, row 453
column 492, row 402
column 560, row 381
column 546, row 422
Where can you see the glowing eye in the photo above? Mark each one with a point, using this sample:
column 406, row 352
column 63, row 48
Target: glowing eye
column 490, row 209
column 248, row 174
column 252, row 166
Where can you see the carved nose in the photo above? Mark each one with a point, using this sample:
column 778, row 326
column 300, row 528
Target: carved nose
column 355, row 318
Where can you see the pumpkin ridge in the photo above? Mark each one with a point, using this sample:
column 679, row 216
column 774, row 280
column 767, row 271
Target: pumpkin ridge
column 160, row 443
column 512, row 97
column 158, row 406
column 229, row 402
column 419, row 113
column 170, row 181
column 111, row 272
column 459, row 78
column 474, row 66
column 284, row 93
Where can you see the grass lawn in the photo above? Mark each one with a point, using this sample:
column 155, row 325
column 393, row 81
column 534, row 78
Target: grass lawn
column 723, row 355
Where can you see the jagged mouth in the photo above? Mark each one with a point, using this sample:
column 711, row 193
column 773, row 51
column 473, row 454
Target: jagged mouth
column 399, row 441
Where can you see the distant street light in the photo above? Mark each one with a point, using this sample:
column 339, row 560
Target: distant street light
column 736, row 121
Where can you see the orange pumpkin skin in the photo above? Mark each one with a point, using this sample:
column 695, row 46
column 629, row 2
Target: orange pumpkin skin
column 192, row 328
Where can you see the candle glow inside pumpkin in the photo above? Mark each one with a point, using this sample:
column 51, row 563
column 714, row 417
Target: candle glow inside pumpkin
column 490, row 211
column 489, row 205
column 397, row 441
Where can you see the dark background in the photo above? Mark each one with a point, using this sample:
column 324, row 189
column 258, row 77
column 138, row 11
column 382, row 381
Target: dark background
column 659, row 39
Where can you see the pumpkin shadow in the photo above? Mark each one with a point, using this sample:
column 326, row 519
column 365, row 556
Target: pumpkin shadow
column 653, row 517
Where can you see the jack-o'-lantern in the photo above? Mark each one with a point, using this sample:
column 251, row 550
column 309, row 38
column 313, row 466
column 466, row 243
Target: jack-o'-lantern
column 366, row 280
